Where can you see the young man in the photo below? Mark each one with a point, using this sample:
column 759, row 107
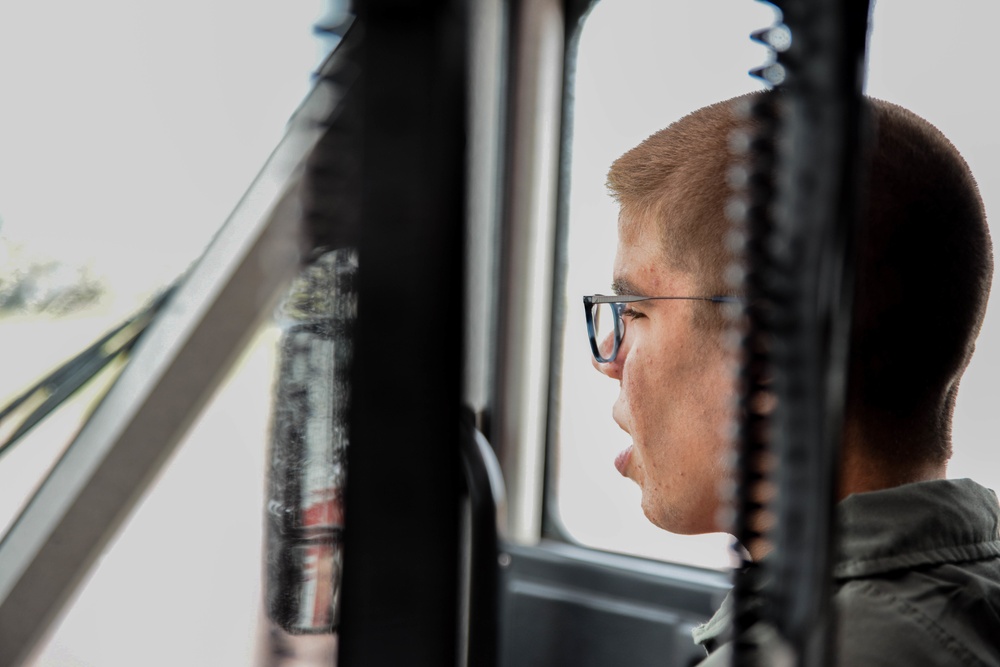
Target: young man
column 917, row 577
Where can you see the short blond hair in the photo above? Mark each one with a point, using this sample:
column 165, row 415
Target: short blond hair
column 678, row 176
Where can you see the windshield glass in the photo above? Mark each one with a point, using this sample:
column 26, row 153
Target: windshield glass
column 129, row 132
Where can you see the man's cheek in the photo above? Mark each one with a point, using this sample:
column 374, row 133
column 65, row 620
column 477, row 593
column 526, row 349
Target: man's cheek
column 634, row 403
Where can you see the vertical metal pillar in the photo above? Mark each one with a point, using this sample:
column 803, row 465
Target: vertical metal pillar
column 401, row 559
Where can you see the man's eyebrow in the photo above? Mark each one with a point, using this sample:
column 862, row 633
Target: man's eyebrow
column 624, row 287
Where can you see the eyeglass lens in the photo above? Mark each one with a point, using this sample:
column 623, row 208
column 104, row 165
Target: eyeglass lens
column 606, row 325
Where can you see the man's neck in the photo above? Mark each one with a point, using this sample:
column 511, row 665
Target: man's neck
column 860, row 473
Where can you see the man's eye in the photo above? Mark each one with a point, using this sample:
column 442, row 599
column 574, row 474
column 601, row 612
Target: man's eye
column 631, row 312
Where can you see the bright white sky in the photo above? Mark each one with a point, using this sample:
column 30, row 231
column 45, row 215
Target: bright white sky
column 130, row 129
column 128, row 132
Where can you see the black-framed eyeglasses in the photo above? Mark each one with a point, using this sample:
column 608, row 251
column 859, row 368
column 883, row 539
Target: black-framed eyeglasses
column 605, row 316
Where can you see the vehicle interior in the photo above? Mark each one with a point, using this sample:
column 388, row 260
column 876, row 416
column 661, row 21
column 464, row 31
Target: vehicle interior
column 295, row 368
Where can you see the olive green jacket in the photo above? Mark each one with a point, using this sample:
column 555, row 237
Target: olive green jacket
column 917, row 579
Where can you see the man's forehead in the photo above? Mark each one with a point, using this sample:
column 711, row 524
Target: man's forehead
column 631, row 224
column 677, row 232
column 641, row 269
column 642, row 234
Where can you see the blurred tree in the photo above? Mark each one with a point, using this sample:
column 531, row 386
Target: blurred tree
column 33, row 285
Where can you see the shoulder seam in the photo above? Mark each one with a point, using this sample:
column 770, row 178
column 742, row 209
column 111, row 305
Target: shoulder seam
column 962, row 553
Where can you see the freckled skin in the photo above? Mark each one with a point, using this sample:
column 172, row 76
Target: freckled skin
column 676, row 393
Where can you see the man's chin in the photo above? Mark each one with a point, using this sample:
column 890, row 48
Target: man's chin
column 661, row 522
column 676, row 522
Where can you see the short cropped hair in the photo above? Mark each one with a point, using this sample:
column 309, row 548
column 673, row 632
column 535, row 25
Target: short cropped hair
column 923, row 269
column 678, row 177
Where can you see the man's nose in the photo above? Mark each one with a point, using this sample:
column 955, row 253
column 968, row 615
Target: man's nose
column 611, row 368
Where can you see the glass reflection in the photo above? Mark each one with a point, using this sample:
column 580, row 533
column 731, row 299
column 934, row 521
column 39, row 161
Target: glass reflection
column 309, row 447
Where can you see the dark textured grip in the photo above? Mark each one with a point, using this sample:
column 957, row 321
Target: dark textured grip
column 804, row 167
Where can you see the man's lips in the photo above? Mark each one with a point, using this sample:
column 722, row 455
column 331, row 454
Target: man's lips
column 623, row 459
